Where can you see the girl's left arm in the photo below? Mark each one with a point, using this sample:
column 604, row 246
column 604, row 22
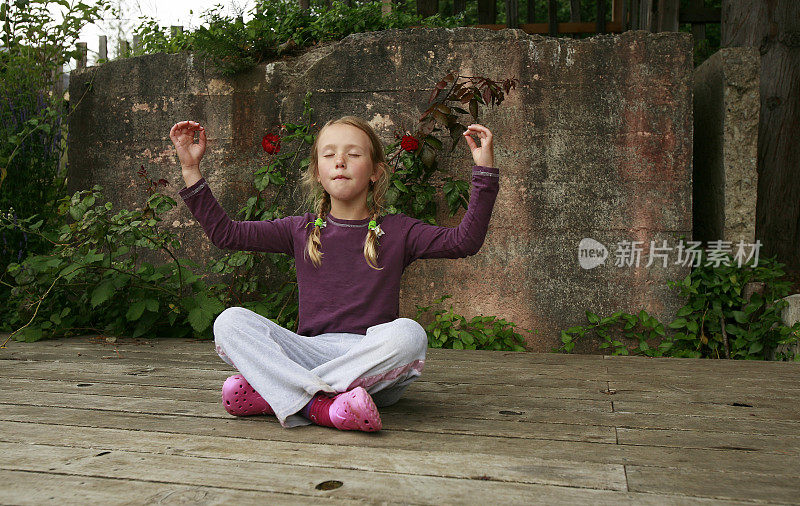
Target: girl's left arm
column 429, row 241
column 424, row 240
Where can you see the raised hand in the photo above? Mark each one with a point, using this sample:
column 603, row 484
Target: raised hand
column 182, row 135
column 483, row 155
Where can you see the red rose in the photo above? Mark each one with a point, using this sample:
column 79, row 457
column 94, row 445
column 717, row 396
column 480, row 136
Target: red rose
column 409, row 143
column 271, row 143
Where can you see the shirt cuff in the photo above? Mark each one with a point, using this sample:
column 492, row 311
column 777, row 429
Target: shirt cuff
column 485, row 171
column 189, row 191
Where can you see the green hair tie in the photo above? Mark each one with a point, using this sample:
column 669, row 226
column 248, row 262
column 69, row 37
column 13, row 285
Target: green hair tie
column 373, row 225
column 320, row 223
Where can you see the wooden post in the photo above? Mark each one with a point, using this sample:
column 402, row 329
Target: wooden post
column 7, row 28
column 137, row 44
column 58, row 83
column 531, row 11
column 575, row 14
column 427, row 8
column 82, row 59
column 512, row 14
column 668, row 15
column 698, row 29
column 635, row 25
column 386, row 7
column 103, row 48
column 487, row 13
column 624, row 26
column 773, row 28
column 552, row 17
column 646, row 15
column 601, row 16
column 304, row 5
column 574, row 11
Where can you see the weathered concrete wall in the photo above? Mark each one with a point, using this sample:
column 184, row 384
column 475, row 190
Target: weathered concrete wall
column 596, row 142
column 726, row 110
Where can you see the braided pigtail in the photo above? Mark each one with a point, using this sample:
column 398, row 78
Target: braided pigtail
column 371, row 244
column 314, row 245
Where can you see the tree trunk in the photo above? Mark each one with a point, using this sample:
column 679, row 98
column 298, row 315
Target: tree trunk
column 774, row 27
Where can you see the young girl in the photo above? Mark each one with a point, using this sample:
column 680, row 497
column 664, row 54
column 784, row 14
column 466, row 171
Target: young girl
column 351, row 352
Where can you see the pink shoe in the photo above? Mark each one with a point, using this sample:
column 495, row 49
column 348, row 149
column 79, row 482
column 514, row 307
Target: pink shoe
column 355, row 410
column 241, row 399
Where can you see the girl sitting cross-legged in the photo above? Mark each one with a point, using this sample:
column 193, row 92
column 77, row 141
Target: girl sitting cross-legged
column 352, row 353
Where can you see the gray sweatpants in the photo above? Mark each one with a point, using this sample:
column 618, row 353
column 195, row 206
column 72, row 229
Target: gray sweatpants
column 287, row 369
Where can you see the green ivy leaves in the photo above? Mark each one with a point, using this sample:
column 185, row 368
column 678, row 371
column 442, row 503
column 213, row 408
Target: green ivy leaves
column 453, row 331
column 717, row 321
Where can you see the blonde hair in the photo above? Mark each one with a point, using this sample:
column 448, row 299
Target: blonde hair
column 320, row 200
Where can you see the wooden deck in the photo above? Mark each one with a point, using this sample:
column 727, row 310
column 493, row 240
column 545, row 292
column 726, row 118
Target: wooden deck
column 138, row 422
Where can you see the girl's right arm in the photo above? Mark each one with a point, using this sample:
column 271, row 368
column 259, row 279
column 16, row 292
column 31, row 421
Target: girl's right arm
column 273, row 236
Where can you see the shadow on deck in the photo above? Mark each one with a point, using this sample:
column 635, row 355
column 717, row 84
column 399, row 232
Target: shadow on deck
column 139, row 421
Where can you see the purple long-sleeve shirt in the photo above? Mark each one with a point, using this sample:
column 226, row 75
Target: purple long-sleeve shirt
column 345, row 294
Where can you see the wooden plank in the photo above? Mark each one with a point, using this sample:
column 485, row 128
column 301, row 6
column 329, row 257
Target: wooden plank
column 787, row 445
column 216, row 362
column 533, row 425
column 716, row 485
column 466, row 373
column 266, row 428
column 706, row 410
column 81, row 489
column 434, row 462
column 475, row 424
column 783, row 401
column 284, row 478
column 415, row 400
column 698, row 365
column 200, row 349
column 686, row 386
column 130, row 398
column 495, row 375
column 743, row 387
column 689, row 388
column 109, row 373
